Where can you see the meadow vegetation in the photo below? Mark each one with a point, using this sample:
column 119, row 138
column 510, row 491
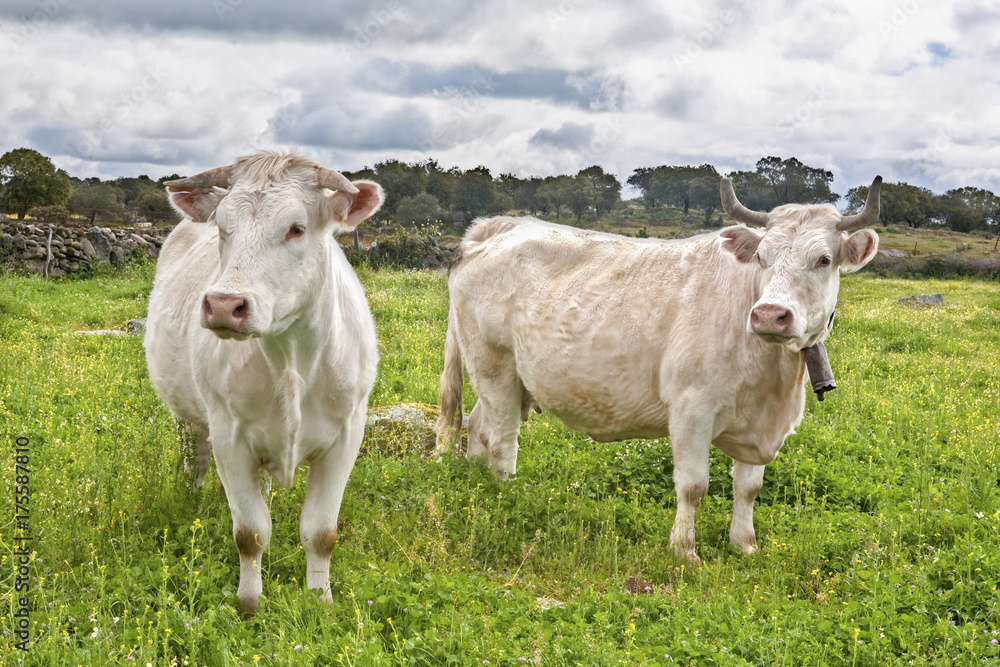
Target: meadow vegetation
column 877, row 525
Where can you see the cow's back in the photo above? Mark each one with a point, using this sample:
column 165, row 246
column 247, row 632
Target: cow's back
column 188, row 260
column 604, row 329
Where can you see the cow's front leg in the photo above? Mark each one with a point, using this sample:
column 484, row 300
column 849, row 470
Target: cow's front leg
column 238, row 471
column 690, row 441
column 747, row 480
column 328, row 476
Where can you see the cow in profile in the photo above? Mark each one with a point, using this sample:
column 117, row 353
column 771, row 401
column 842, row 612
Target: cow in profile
column 700, row 339
column 260, row 338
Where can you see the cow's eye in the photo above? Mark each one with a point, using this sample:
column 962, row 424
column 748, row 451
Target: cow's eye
column 295, row 231
column 823, row 262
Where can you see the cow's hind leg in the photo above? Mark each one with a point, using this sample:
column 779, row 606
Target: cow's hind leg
column 477, row 439
column 690, row 440
column 500, row 396
column 477, row 445
column 238, row 472
column 747, row 480
column 328, row 476
column 196, row 450
column 202, row 454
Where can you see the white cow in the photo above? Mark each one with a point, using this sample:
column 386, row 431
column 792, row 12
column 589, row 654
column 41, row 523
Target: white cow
column 699, row 339
column 260, row 337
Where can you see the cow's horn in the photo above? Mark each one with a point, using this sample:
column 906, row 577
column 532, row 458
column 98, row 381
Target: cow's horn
column 218, row 177
column 334, row 180
column 869, row 214
column 737, row 211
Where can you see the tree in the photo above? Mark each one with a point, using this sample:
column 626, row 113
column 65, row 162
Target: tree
column 420, row 209
column 554, row 191
column 703, row 193
column 132, row 188
column 399, row 180
column 522, row 191
column 752, row 190
column 778, row 181
column 607, row 187
column 476, row 194
column 640, row 179
column 98, row 200
column 792, row 182
column 968, row 209
column 581, row 195
column 899, row 203
column 441, row 183
column 153, row 204
column 671, row 185
column 28, row 179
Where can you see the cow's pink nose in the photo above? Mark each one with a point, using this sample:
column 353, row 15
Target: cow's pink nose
column 225, row 311
column 768, row 318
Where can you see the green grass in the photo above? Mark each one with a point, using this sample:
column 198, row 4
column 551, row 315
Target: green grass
column 878, row 524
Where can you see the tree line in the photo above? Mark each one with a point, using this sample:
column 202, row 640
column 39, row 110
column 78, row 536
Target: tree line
column 425, row 192
column 30, row 185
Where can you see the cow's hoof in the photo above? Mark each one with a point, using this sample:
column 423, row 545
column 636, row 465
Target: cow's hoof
column 249, row 608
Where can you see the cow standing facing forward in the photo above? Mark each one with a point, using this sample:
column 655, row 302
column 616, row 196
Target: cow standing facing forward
column 699, row 339
column 259, row 336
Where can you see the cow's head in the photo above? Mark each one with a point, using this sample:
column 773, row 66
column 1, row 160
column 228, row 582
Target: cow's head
column 276, row 216
column 799, row 255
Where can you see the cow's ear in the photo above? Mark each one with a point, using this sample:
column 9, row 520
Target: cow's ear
column 741, row 241
column 859, row 249
column 347, row 211
column 198, row 204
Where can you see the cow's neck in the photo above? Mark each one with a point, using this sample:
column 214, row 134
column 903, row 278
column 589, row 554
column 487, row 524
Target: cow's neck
column 299, row 348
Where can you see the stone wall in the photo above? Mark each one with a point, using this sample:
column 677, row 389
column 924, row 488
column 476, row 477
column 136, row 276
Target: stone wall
column 23, row 246
column 74, row 249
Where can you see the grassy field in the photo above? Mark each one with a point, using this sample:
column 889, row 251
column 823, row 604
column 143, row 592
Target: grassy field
column 878, row 524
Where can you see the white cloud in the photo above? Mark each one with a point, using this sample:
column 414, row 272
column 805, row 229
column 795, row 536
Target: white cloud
column 118, row 88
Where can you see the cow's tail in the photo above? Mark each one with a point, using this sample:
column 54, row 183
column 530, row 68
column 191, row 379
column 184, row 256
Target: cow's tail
column 449, row 423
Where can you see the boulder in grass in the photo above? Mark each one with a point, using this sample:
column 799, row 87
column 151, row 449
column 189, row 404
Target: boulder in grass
column 936, row 299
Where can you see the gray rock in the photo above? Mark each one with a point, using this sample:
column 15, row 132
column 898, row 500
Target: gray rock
column 936, row 299
column 399, row 429
column 87, row 247
column 136, row 327
column 891, row 252
column 407, row 415
column 99, row 242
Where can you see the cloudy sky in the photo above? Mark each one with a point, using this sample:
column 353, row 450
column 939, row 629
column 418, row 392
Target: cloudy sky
column 909, row 89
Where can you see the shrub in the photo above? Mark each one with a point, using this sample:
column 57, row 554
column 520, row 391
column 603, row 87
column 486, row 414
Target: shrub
column 936, row 266
column 54, row 213
column 420, row 209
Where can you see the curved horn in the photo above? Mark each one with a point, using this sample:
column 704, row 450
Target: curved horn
column 869, row 214
column 218, row 177
column 737, row 211
column 334, row 180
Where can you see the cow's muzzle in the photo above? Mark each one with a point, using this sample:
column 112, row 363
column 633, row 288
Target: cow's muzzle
column 768, row 319
column 227, row 315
